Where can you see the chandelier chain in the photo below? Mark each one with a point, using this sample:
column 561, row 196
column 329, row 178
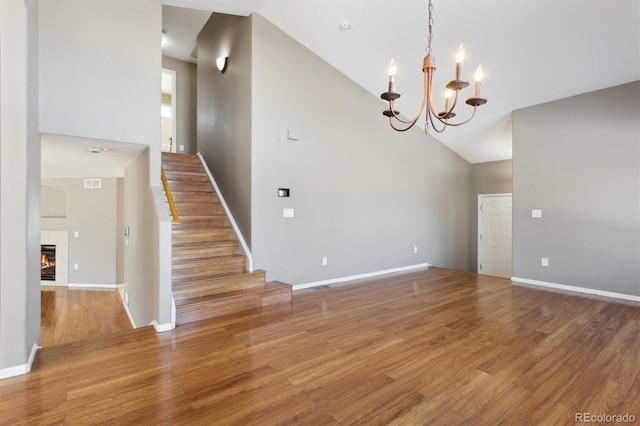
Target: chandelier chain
column 430, row 28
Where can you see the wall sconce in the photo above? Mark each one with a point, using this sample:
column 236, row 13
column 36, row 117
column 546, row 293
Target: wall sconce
column 221, row 63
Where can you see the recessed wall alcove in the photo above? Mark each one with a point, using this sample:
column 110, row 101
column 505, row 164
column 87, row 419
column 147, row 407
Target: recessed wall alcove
column 59, row 239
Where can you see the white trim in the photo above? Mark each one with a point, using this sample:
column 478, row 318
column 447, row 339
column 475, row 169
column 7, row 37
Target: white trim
column 20, row 369
column 236, row 229
column 161, row 328
column 577, row 289
column 126, row 308
column 359, row 276
column 174, row 126
column 102, row 286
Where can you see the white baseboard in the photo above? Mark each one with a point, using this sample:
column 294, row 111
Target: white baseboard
column 20, row 369
column 161, row 328
column 577, row 289
column 94, row 286
column 359, row 276
column 126, row 308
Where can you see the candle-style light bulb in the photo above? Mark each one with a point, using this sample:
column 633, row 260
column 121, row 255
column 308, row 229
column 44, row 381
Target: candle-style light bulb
column 479, row 76
column 392, row 74
column 392, row 68
column 460, row 55
column 447, row 98
column 459, row 59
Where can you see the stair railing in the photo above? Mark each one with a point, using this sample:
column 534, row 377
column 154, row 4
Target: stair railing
column 167, row 191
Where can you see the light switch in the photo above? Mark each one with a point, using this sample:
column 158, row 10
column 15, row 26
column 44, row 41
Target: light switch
column 288, row 213
column 76, row 234
column 536, row 213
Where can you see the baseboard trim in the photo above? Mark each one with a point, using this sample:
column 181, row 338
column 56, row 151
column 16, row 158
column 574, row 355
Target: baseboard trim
column 577, row 289
column 161, row 328
column 359, row 276
column 18, row 370
column 126, row 309
column 227, row 210
column 93, row 286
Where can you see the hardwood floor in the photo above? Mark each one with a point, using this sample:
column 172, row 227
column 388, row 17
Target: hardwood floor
column 71, row 315
column 430, row 347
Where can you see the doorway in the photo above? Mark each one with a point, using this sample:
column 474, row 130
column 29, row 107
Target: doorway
column 495, row 235
column 168, row 110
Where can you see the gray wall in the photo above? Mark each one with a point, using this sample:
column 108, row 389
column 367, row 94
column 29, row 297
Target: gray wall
column 100, row 71
column 578, row 159
column 19, row 187
column 93, row 213
column 186, row 101
column 224, row 111
column 139, row 265
column 495, row 177
column 363, row 195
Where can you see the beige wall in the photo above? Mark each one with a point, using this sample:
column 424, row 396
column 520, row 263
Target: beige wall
column 578, row 160
column 364, row 196
column 495, row 177
column 186, row 101
column 93, row 214
column 19, row 187
column 224, row 111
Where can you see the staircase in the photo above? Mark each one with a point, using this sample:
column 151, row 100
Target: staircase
column 210, row 276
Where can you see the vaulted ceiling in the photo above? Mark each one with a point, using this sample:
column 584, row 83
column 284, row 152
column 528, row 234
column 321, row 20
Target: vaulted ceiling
column 532, row 51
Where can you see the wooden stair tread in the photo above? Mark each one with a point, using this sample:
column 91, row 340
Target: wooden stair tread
column 188, row 230
column 270, row 287
column 177, row 281
column 207, row 259
column 209, row 271
column 216, row 279
column 189, row 244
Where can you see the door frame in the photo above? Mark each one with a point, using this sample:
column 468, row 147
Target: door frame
column 174, row 127
column 478, row 240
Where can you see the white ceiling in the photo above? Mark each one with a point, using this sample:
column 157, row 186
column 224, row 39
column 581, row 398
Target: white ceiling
column 71, row 157
column 532, row 51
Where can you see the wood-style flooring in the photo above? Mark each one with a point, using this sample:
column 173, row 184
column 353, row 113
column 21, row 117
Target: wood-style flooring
column 434, row 347
column 71, row 315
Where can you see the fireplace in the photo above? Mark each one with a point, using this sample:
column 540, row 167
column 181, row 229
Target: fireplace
column 47, row 262
column 54, row 258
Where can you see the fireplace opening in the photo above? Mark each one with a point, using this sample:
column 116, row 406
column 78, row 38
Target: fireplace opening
column 47, row 262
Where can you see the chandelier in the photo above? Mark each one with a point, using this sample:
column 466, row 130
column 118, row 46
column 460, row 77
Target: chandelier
column 433, row 117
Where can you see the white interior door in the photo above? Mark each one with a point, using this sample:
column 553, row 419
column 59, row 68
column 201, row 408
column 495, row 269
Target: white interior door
column 495, row 235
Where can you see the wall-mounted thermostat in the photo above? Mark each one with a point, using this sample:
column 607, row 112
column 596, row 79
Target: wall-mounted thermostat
column 283, row 192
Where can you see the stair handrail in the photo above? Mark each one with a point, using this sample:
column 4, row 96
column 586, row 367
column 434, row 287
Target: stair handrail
column 227, row 210
column 167, row 191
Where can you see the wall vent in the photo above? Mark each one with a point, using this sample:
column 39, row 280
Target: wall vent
column 92, row 183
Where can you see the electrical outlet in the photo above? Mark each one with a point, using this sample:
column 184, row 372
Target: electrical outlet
column 324, row 261
column 544, row 261
column 75, row 266
column 415, row 249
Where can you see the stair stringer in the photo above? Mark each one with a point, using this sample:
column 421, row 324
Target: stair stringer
column 234, row 224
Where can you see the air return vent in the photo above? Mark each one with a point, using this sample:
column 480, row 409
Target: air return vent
column 92, row 183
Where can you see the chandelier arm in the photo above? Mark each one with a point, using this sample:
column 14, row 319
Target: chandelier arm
column 430, row 110
column 433, row 123
column 397, row 116
column 465, row 121
column 400, row 129
column 422, row 104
